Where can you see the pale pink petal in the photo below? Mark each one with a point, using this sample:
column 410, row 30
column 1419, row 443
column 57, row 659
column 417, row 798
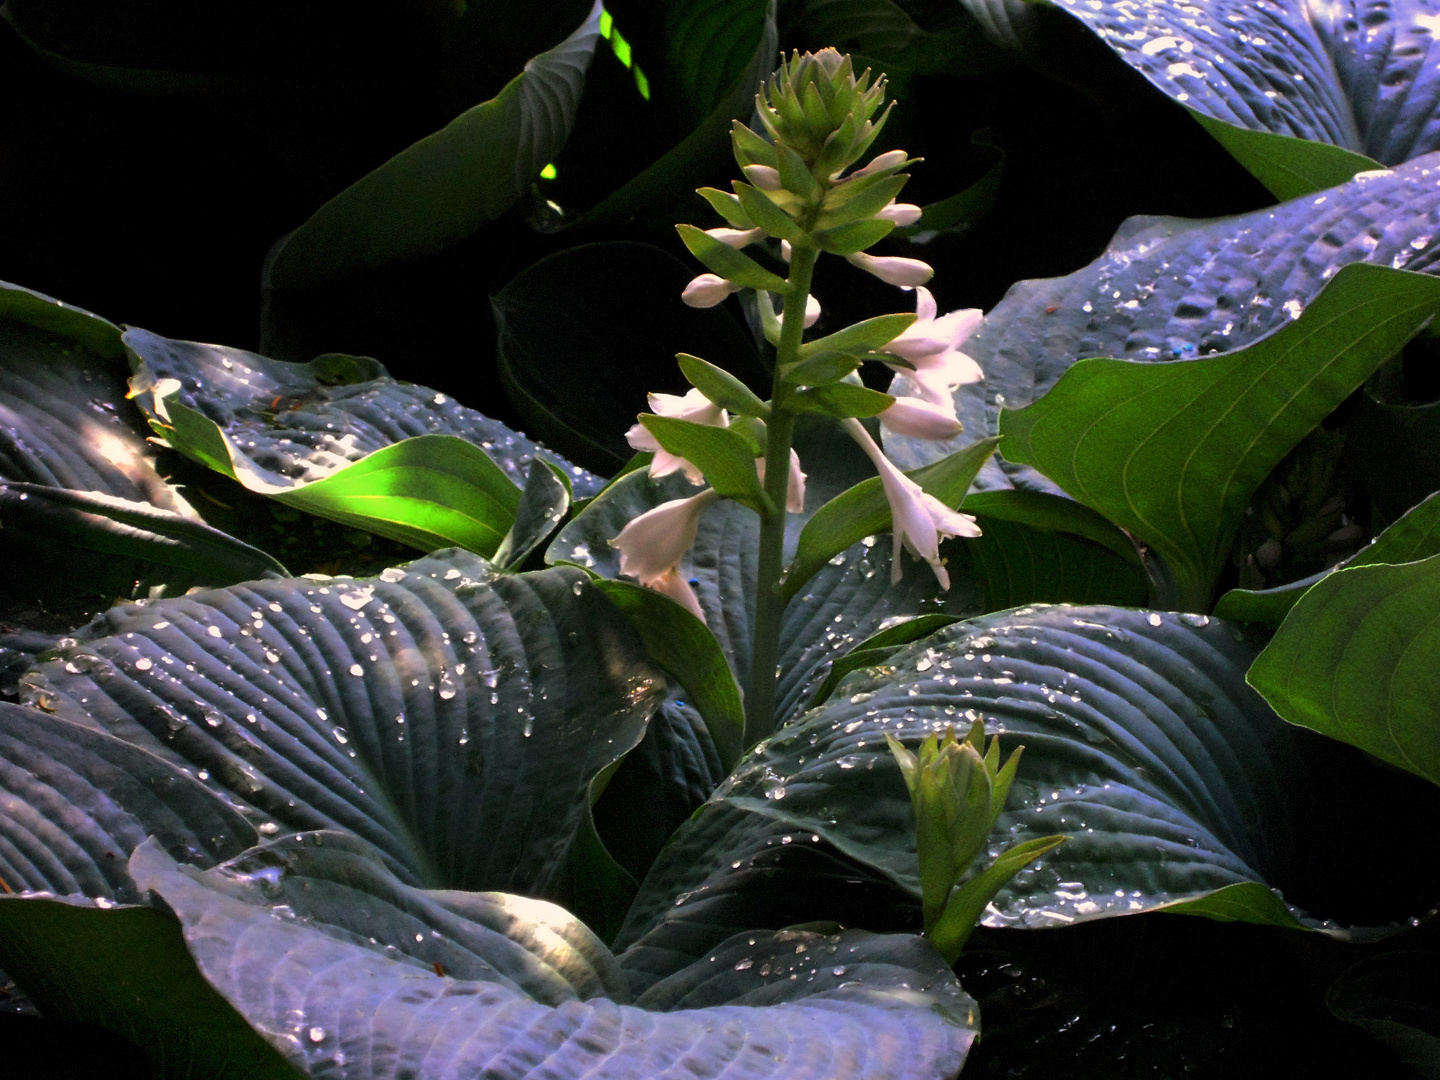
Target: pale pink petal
column 894, row 269
column 707, row 290
column 921, row 419
column 900, row 213
column 678, row 589
column 736, row 238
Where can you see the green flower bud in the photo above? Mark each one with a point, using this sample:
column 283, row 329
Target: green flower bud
column 815, row 106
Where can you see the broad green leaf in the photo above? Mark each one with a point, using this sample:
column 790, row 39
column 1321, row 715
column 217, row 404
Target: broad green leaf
column 863, row 511
column 860, row 337
column 1142, row 742
column 1054, row 514
column 452, row 717
column 430, row 491
column 443, row 188
column 1169, row 289
column 724, row 456
column 570, row 321
column 1415, row 536
column 127, row 970
column 107, row 546
column 729, row 263
column 543, row 504
column 302, row 422
column 1355, row 660
column 689, row 654
column 326, row 998
column 1173, row 453
column 721, row 387
column 1287, row 165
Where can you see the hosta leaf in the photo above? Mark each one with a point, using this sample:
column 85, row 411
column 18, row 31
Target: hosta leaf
column 75, row 801
column 284, row 417
column 1142, row 742
column 452, row 717
column 443, row 188
column 1357, row 77
column 109, row 547
column 1355, row 660
column 1393, row 996
column 328, row 1002
column 1415, row 536
column 1170, row 288
column 1174, row 452
column 544, row 501
column 63, row 418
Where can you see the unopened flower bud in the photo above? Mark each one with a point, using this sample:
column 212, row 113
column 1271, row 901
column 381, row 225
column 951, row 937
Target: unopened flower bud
column 889, row 160
column 707, row 290
column 906, row 273
column 763, row 177
column 737, row 238
column 900, row 213
column 812, row 311
column 786, row 250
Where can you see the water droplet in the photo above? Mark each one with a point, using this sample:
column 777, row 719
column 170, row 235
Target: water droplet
column 745, row 965
column 143, row 664
column 213, row 631
column 317, row 1034
column 356, row 669
column 578, row 588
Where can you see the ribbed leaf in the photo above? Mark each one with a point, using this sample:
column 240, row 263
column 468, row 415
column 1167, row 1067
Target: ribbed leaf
column 443, row 188
column 451, row 717
column 1361, row 78
column 1355, row 660
column 1173, row 453
column 304, row 422
column 1142, row 742
column 1171, row 289
column 335, row 1006
column 76, row 801
column 63, row 418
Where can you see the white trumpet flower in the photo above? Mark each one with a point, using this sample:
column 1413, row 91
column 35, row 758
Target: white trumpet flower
column 921, row 419
column 696, row 408
column 652, row 545
column 932, row 346
column 907, row 273
column 918, row 520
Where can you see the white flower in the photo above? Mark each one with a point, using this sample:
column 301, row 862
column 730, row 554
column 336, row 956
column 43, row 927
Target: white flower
column 696, row 408
column 919, row 521
column 735, row 238
column 901, row 213
column 932, row 346
column 888, row 160
column 812, row 310
column 707, row 290
column 907, row 273
column 794, row 485
column 921, row 419
column 652, row 545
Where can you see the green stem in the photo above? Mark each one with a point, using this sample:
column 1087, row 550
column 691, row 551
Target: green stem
column 769, row 605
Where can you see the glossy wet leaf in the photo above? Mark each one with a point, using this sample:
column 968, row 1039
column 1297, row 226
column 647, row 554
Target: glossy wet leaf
column 878, row 647
column 302, row 422
column 1142, row 742
column 444, row 188
column 450, row 716
column 109, row 547
column 1288, row 166
column 1172, row 289
column 77, row 801
column 326, row 1000
column 64, row 422
column 1361, row 80
column 1355, row 660
column 1415, row 536
column 1173, row 452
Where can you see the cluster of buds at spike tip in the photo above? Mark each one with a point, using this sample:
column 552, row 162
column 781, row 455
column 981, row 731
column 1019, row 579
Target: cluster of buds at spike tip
column 957, row 789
